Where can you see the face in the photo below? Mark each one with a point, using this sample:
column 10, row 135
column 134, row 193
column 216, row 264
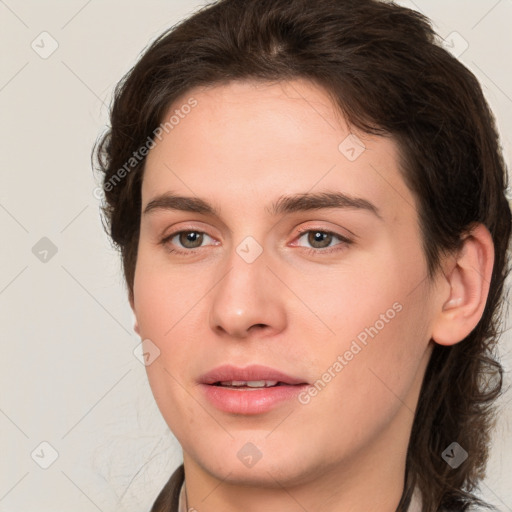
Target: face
column 331, row 292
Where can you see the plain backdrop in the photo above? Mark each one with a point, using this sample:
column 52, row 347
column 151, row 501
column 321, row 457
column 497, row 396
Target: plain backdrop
column 74, row 398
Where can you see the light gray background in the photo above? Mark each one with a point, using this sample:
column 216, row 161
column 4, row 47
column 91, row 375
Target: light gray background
column 68, row 374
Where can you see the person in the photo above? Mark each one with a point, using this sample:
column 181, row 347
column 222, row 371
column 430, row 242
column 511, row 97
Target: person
column 309, row 202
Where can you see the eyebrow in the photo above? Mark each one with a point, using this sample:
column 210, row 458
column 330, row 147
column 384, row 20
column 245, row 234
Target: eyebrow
column 285, row 204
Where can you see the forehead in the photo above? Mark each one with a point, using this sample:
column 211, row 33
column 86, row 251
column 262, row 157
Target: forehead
column 251, row 142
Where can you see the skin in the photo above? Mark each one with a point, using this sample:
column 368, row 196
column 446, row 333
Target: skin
column 242, row 147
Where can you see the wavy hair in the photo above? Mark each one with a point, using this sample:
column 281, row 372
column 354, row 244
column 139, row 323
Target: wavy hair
column 386, row 71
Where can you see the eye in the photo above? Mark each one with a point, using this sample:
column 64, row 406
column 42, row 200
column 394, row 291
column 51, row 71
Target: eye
column 321, row 239
column 185, row 242
column 188, row 240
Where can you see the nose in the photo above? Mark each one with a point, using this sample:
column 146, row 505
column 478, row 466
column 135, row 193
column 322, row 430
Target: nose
column 248, row 299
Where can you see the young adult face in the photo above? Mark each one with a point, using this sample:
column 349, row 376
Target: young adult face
column 254, row 286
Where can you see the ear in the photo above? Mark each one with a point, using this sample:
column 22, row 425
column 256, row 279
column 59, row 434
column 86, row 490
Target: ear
column 469, row 278
column 132, row 305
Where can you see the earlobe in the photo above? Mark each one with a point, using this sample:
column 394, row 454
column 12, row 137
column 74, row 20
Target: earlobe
column 469, row 280
column 136, row 324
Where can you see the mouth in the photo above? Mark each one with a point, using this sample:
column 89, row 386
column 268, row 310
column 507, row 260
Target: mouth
column 251, row 390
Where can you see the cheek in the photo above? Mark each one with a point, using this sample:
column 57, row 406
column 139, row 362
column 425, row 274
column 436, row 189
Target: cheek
column 369, row 386
column 179, row 410
column 382, row 361
column 351, row 299
column 163, row 295
column 165, row 305
column 381, row 331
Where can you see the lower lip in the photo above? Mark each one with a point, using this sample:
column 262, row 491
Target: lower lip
column 250, row 401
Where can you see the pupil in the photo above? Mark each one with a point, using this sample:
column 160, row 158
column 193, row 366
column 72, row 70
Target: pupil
column 193, row 238
column 320, row 237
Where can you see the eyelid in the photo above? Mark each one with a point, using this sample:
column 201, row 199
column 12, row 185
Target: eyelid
column 323, row 229
column 186, row 228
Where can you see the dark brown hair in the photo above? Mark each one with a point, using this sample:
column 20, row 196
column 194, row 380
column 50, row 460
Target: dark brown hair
column 385, row 70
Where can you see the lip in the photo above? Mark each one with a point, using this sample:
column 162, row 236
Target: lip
column 252, row 372
column 249, row 401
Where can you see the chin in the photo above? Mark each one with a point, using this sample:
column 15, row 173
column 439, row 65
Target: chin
column 272, row 469
column 265, row 474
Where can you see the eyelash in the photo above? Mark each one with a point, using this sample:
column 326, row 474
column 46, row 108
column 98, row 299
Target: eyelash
column 311, row 251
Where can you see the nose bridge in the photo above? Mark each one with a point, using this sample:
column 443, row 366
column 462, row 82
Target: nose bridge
column 244, row 296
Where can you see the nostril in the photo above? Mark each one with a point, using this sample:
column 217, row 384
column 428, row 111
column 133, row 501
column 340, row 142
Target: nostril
column 258, row 327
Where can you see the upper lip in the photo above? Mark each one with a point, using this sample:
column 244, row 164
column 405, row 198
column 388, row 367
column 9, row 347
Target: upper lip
column 253, row 372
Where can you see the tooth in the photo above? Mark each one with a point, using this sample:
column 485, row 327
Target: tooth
column 250, row 384
column 261, row 383
column 256, row 383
